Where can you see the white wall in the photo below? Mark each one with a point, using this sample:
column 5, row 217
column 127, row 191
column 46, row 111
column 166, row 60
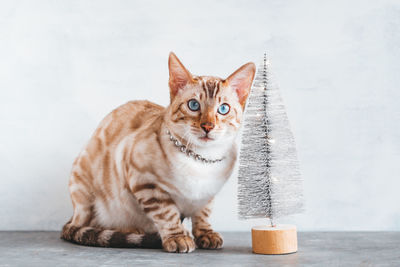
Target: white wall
column 65, row 64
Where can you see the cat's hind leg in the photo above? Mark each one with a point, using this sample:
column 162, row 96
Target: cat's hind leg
column 77, row 229
column 83, row 208
column 81, row 229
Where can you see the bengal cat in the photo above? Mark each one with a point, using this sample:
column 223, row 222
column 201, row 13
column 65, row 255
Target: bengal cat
column 147, row 167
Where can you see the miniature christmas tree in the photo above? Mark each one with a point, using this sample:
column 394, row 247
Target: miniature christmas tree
column 270, row 184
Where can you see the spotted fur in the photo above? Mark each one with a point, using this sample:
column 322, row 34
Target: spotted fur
column 131, row 187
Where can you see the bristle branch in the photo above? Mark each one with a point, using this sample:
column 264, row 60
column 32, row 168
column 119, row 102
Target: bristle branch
column 270, row 184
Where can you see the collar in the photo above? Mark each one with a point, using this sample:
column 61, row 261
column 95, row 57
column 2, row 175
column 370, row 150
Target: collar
column 189, row 152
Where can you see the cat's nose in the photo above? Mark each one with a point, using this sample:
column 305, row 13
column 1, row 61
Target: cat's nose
column 207, row 126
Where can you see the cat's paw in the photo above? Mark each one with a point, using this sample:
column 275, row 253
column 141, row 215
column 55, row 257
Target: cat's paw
column 180, row 244
column 210, row 240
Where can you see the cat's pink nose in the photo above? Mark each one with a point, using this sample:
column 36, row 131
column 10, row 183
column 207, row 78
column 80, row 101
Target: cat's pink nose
column 207, row 126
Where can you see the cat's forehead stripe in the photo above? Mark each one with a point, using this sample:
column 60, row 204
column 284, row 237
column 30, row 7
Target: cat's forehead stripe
column 203, row 85
column 218, row 84
column 210, row 86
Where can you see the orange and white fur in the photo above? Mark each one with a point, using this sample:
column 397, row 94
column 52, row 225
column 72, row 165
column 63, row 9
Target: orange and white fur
column 132, row 185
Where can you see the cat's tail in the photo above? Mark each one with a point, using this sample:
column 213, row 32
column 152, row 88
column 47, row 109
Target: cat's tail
column 90, row 236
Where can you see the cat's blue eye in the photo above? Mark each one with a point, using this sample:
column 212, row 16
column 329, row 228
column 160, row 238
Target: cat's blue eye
column 223, row 109
column 193, row 105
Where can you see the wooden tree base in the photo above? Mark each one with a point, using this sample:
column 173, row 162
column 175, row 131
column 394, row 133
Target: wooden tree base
column 278, row 239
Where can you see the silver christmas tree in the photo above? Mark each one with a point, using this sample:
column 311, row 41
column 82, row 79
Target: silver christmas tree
column 270, row 184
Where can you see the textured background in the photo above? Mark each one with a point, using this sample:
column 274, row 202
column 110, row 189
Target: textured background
column 65, row 64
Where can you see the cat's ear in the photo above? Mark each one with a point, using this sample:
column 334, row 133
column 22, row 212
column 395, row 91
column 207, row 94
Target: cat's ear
column 240, row 81
column 179, row 76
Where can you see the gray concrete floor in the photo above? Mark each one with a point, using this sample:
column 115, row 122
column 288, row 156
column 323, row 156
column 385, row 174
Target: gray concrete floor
column 315, row 249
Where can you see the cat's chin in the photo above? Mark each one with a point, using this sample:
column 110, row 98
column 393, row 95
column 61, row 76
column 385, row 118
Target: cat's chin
column 206, row 139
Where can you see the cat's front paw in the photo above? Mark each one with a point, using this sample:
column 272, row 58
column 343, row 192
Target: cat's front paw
column 210, row 240
column 180, row 243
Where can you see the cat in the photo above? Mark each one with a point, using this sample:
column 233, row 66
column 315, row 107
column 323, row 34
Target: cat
column 147, row 167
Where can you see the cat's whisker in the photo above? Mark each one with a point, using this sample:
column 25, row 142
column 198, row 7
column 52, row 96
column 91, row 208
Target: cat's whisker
column 186, row 135
column 190, row 141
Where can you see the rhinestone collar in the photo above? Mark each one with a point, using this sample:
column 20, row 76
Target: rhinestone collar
column 189, row 152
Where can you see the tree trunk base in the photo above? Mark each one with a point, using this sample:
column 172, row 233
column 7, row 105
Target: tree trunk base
column 272, row 240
